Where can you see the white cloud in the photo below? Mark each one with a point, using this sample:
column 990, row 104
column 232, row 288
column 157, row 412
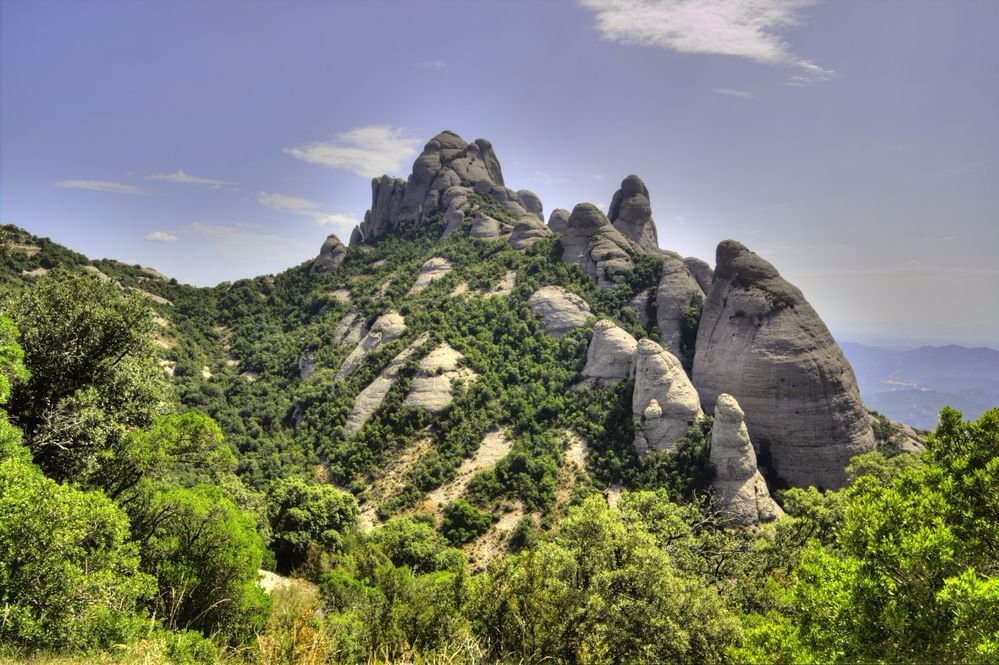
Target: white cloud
column 742, row 28
column 247, row 242
column 368, row 151
column 187, row 179
column 160, row 236
column 99, row 186
column 297, row 205
column 731, row 92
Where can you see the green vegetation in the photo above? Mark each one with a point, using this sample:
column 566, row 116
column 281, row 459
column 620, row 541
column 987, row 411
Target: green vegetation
column 136, row 508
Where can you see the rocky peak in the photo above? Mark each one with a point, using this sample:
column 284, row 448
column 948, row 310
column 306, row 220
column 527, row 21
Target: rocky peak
column 446, row 173
column 664, row 403
column 760, row 341
column 590, row 241
column 631, row 213
column 331, row 255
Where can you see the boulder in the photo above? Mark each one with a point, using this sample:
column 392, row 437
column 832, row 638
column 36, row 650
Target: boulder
column 761, row 342
column 485, row 227
column 528, row 230
column 610, row 357
column 741, row 494
column 664, row 404
column 531, row 203
column 631, row 213
column 559, row 310
column 331, row 255
column 387, row 328
column 434, row 269
column 701, row 271
column 558, row 222
column 678, row 289
column 598, row 248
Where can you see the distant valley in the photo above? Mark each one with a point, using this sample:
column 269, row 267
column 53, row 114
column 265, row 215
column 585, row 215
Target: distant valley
column 912, row 385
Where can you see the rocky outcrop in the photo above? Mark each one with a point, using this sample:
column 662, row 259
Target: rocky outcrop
column 432, row 386
column 640, row 303
column 598, row 248
column 558, row 222
column 485, row 227
column 444, row 176
column 434, row 269
column 559, row 310
column 664, row 404
column 701, row 271
column 631, row 214
column 678, row 290
column 387, row 328
column 610, row 357
column 741, row 494
column 760, row 341
column 306, row 365
column 528, row 230
column 369, row 399
column 350, row 329
column 331, row 255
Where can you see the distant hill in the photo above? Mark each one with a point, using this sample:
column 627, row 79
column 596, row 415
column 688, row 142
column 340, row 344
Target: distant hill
column 912, row 385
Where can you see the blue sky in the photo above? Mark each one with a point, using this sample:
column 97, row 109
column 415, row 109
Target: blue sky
column 855, row 144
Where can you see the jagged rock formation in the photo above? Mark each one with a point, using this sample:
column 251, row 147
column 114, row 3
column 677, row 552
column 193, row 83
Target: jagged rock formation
column 598, row 248
column 701, row 271
column 559, row 310
column 528, row 230
column 610, row 356
column 331, row 255
column 434, row 269
column 558, row 222
column 677, row 290
column 387, row 328
column 444, row 176
column 741, row 494
column 760, row 341
column 664, row 404
column 631, row 214
column 431, row 389
column 369, row 399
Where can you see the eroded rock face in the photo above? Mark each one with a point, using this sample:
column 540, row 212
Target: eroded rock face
column 350, row 329
column 664, row 404
column 331, row 255
column 678, row 289
column 387, row 328
column 434, row 269
column 485, row 227
column 741, row 494
column 598, row 248
column 369, row 399
column 610, row 357
column 631, row 213
column 760, row 341
column 432, row 387
column 559, row 310
column 528, row 230
column 444, row 176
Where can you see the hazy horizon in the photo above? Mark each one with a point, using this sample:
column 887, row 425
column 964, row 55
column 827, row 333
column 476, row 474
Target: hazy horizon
column 854, row 145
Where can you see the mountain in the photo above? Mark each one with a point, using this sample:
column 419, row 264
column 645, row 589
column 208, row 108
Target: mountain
column 462, row 348
column 912, row 385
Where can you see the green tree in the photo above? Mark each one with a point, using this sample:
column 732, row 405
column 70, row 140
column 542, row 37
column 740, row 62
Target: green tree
column 303, row 514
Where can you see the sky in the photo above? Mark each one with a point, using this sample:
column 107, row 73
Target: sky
column 852, row 143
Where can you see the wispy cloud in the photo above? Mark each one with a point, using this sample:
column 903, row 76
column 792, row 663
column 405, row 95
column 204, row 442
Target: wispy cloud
column 248, row 243
column 742, row 28
column 188, row 179
column 436, row 65
column 100, row 186
column 297, row 205
column 731, row 92
column 548, row 178
column 368, row 151
column 160, row 236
